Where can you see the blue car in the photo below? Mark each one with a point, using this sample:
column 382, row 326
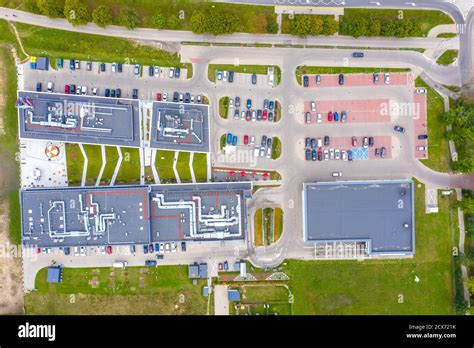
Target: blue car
column 343, row 116
column 308, row 142
column 308, row 154
column 349, row 155
column 157, row 247
column 234, row 140
column 341, row 79
column 229, row 138
column 145, row 249
column 270, row 105
column 150, row 248
column 336, row 116
column 72, row 64
column 313, row 155
column 423, row 136
column 249, row 103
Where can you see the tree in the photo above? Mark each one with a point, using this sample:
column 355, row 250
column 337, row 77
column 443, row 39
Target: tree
column 51, row 8
column 172, row 22
column 300, row 25
column 272, row 27
column 159, row 21
column 102, row 16
column 330, row 26
column 316, row 26
column 198, row 22
column 76, row 12
column 129, row 18
column 375, row 27
column 31, row 6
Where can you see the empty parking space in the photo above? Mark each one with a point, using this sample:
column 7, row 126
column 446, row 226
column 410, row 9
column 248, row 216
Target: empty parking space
column 357, row 80
column 375, row 110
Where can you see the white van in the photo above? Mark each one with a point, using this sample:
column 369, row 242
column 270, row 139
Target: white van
column 84, row 90
column 171, row 74
column 50, row 86
column 320, row 143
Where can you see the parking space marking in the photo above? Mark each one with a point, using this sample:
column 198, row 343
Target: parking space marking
column 359, row 80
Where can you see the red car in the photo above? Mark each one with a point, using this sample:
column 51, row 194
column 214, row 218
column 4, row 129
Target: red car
column 264, row 115
column 248, row 116
column 158, row 96
column 354, row 141
column 109, row 249
column 38, row 250
column 220, row 266
column 330, row 116
column 246, row 140
column 320, row 155
column 67, row 89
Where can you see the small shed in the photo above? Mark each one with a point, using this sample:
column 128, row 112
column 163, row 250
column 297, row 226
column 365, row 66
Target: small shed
column 54, row 274
column 193, row 271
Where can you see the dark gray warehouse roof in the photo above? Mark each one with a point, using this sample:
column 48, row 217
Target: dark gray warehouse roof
column 378, row 211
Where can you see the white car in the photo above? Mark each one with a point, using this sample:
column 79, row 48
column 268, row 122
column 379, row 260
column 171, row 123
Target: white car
column 420, row 91
column 313, row 106
column 84, row 90
column 50, row 86
column 338, row 154
column 320, row 117
column 219, row 75
column 320, row 143
column 136, row 69
column 171, row 74
column 331, row 153
column 387, row 78
column 162, row 248
column 336, row 174
column 157, row 71
column 164, row 97
column 344, row 155
column 242, row 115
column 252, row 140
column 114, row 67
column 421, row 148
column 167, row 247
column 94, row 91
column 76, row 251
column 256, row 152
column 173, row 247
column 225, row 75
column 83, row 251
column 326, row 155
column 102, row 249
column 365, row 143
column 231, row 103
column 269, row 152
column 78, row 90
column 254, row 116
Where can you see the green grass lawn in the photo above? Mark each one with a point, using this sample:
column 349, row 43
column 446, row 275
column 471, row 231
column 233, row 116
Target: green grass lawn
column 438, row 151
column 278, row 225
column 164, row 166
column 247, row 69
column 111, row 156
column 129, row 172
column 426, row 19
column 253, row 297
column 223, row 141
column 224, row 107
column 276, row 148
column 258, row 228
column 448, row 57
column 182, row 166
column 374, row 286
column 314, row 70
column 446, row 35
column 133, row 290
column 39, row 41
column 75, row 164
column 94, row 158
column 200, row 167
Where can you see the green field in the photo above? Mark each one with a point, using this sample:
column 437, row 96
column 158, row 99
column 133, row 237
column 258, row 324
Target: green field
column 446, row 35
column 258, row 228
column 129, row 172
column 52, row 43
column 224, row 107
column 448, row 57
column 112, row 157
column 253, row 298
column 94, row 158
column 200, row 167
column 182, row 166
column 438, row 151
column 375, row 286
column 314, row 70
column 276, row 148
column 278, row 229
column 75, row 164
column 247, row 69
column 133, row 290
column 164, row 166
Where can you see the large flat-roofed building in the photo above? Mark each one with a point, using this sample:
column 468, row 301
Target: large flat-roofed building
column 79, row 118
column 358, row 219
column 125, row 215
column 180, row 126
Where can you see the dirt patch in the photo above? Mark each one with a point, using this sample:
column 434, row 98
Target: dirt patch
column 141, row 282
column 11, row 287
column 94, row 282
column 143, row 270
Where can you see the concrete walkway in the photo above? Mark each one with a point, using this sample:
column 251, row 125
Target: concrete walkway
column 104, row 162
column 117, row 167
column 175, row 161
column 156, row 177
column 191, row 168
column 86, row 164
column 221, row 300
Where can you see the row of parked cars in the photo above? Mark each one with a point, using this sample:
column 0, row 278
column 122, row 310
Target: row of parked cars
column 341, row 79
column 264, row 114
column 82, row 90
column 162, row 248
column 180, row 97
column 265, row 148
column 228, row 76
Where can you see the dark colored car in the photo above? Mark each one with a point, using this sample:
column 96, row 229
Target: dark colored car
column 160, row 257
column 72, row 64
column 254, row 79
column 119, row 67
column 399, row 129
column 265, row 104
column 107, row 92
column 119, row 93
column 264, row 140
column 320, row 155
column 135, row 93
column 343, row 116
column 371, row 141
column 145, row 249
column 248, row 116
column 112, row 93
column 175, row 97
column 183, row 246
column 314, row 155
column 336, row 116
column 376, row 78
column 187, row 97
column 423, row 136
column 226, row 266
column 150, row 263
column 151, row 71
column 234, row 140
column 318, row 79
column 341, row 79
column 236, row 113
column 72, row 89
column 102, row 67
column 249, row 103
column 382, row 152
column 358, row 55
column 157, row 247
column 231, row 76
column 305, row 81
column 259, row 115
column 67, row 250
column 270, row 116
column 237, row 102
column 150, row 248
column 349, row 155
column 38, row 87
column 307, row 142
column 271, row 104
column 177, row 73
column 269, row 142
column 308, row 154
column 326, row 140
column 313, row 143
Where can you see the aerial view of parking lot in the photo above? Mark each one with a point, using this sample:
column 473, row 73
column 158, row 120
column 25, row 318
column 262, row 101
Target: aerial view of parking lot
column 241, row 157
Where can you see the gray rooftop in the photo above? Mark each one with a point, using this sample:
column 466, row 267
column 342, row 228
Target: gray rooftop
column 376, row 211
column 78, row 118
column 180, row 126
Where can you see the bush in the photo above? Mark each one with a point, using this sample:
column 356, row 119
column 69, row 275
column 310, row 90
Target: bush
column 76, row 12
column 31, row 6
column 330, row 26
column 198, row 22
column 102, row 16
column 214, row 22
column 129, row 18
column 159, row 21
column 272, row 27
column 51, row 8
column 172, row 22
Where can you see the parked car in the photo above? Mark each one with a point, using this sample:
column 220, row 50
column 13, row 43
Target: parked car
column 246, row 139
column 326, row 155
column 313, row 143
column 264, row 140
column 187, row 97
column 386, row 78
column 102, row 67
column 254, row 79
column 177, row 73
column 199, row 99
column 358, row 55
column 420, row 91
column 320, row 155
column 337, row 154
column 382, row 152
column 175, row 97
column 314, row 155
column 422, row 136
column 158, row 96
column 234, row 140
column 343, row 116
column 349, row 155
column 307, row 142
column 219, row 75
column 229, row 138
column 237, row 102
column 365, row 142
column 376, row 78
column 341, row 79
column 112, row 93
column 109, row 249
column 259, row 115
column 270, row 116
column 318, row 79
column 72, row 64
column 89, row 66
column 150, row 263
column 308, row 117
column 371, row 141
column 151, row 71
column 156, row 70
column 135, row 93
column 308, row 154
column 336, row 174
column 399, row 129
column 50, row 86
column 330, row 116
column 183, row 246
column 95, row 91
column 77, row 64
column 59, row 63
column 236, row 114
column 271, row 104
column 114, row 67
column 326, row 140
column 72, row 88
column 119, row 67
column 107, row 92
column 231, row 76
column 157, row 247
column 136, row 69
column 336, row 116
column 421, row 148
column 221, row 266
column 38, row 87
column 66, row 89
column 354, row 141
column 249, row 103
column 319, row 117
column 313, row 106
column 305, row 81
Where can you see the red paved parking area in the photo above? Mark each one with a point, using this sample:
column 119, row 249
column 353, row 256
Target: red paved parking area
column 375, row 110
column 420, row 124
column 357, row 80
column 345, row 143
